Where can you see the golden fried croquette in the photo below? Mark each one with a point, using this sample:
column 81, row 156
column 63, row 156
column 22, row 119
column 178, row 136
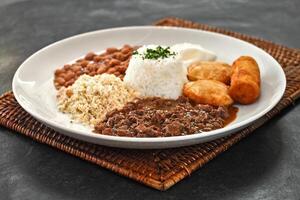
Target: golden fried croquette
column 210, row 70
column 245, row 80
column 208, row 92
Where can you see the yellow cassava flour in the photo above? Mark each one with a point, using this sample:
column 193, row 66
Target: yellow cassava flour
column 91, row 97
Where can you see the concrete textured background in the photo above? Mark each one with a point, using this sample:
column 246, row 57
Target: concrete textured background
column 266, row 165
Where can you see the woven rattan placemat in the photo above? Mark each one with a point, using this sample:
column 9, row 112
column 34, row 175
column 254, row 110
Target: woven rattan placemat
column 159, row 169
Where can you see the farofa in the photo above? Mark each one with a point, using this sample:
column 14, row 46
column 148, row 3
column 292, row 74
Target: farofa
column 90, row 98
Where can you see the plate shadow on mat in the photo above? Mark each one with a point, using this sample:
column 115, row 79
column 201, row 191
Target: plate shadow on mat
column 241, row 166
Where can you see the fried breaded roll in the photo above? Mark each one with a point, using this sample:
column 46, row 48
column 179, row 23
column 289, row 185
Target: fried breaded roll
column 208, row 92
column 210, row 70
column 245, row 80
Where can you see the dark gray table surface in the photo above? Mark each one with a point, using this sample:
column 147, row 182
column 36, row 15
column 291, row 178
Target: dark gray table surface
column 266, row 165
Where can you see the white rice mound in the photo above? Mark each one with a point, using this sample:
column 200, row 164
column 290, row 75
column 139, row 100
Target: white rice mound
column 161, row 78
column 90, row 98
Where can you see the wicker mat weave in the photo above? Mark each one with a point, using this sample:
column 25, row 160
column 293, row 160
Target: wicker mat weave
column 159, row 169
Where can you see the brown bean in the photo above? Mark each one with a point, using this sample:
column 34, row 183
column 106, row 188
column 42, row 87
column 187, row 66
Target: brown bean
column 111, row 70
column 117, row 73
column 90, row 56
column 127, row 56
column 106, row 56
column 63, row 75
column 93, row 73
column 117, row 55
column 103, row 57
column 78, row 73
column 97, row 58
column 126, row 62
column 68, row 83
column 84, row 63
column 76, row 68
column 123, row 57
column 66, row 67
column 113, row 62
column 69, row 75
column 126, row 50
column 105, row 66
column 111, row 50
column 72, row 80
column 60, row 80
column 91, row 67
column 106, row 61
column 101, row 69
column 117, row 67
column 59, row 71
column 122, row 68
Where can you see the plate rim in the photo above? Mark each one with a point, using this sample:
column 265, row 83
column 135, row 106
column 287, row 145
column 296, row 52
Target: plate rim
column 203, row 135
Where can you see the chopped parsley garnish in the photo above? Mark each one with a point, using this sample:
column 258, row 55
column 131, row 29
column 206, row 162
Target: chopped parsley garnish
column 154, row 54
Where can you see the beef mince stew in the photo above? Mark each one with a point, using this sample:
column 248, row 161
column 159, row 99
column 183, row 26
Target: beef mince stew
column 157, row 117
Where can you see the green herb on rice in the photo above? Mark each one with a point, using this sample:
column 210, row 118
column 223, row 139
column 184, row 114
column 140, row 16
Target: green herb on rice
column 157, row 53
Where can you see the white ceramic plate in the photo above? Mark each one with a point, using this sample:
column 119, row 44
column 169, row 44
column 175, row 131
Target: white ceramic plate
column 34, row 90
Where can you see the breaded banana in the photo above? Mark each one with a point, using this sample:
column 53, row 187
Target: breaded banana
column 208, row 92
column 245, row 80
column 210, row 70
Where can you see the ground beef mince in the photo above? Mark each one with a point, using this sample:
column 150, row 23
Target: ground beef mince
column 112, row 61
column 157, row 117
